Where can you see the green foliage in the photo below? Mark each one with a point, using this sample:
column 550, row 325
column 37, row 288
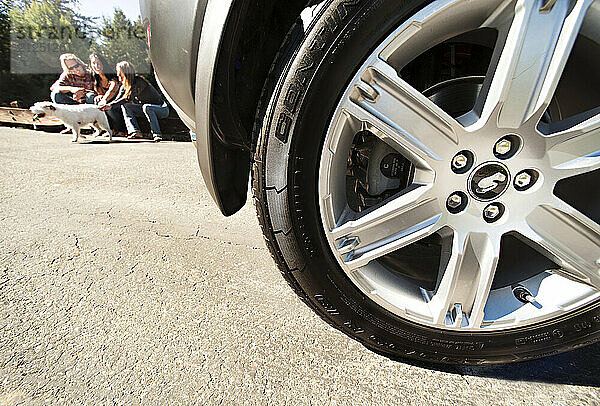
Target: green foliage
column 4, row 36
column 120, row 39
column 42, row 30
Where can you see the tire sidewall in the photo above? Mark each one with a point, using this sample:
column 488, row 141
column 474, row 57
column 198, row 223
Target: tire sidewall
column 296, row 121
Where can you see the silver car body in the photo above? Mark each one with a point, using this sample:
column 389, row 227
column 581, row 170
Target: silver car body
column 187, row 39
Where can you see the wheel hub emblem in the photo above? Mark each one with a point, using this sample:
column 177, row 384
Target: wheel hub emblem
column 489, row 181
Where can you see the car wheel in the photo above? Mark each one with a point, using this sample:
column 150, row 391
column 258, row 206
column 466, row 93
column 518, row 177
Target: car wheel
column 425, row 174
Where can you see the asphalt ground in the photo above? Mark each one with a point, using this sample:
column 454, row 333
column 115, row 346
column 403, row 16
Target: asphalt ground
column 121, row 283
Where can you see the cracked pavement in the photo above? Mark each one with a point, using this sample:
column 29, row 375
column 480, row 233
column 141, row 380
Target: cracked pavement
column 121, row 283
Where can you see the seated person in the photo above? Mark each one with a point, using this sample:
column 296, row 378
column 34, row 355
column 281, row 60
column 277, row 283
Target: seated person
column 106, row 87
column 75, row 85
column 106, row 83
column 137, row 97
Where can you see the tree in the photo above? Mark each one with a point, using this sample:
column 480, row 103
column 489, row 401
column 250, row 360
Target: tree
column 4, row 36
column 42, row 30
column 38, row 32
column 120, row 39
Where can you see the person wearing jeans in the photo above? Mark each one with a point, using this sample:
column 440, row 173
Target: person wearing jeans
column 66, row 98
column 106, row 86
column 138, row 98
column 152, row 112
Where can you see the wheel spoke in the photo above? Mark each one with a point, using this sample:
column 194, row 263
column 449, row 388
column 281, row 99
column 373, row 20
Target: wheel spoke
column 402, row 116
column 576, row 150
column 570, row 238
column 466, row 281
column 400, row 222
column 531, row 63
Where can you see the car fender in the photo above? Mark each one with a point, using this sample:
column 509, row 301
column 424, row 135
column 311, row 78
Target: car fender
column 230, row 75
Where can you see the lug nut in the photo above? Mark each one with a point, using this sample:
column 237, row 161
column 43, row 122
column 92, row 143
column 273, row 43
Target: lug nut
column 493, row 212
column 457, row 202
column 460, row 161
column 508, row 146
column 463, row 162
column 454, row 201
column 503, row 147
column 526, row 179
column 523, row 180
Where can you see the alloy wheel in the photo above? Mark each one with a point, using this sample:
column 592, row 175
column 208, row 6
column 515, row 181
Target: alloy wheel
column 469, row 180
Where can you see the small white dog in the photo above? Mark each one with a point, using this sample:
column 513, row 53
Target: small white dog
column 74, row 117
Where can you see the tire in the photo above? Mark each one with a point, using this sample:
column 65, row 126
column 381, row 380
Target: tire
column 312, row 72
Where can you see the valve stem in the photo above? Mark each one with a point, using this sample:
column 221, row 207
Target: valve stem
column 523, row 295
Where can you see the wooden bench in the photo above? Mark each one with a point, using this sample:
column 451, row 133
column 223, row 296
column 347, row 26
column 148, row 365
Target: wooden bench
column 24, row 117
column 172, row 127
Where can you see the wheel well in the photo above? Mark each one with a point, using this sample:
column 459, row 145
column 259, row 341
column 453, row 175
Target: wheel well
column 254, row 32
